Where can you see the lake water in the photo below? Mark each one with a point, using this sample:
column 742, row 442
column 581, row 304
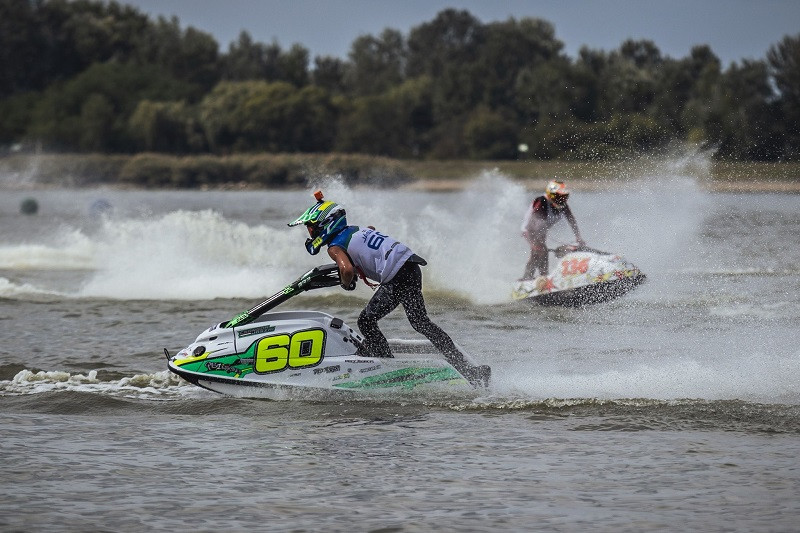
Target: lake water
column 676, row 407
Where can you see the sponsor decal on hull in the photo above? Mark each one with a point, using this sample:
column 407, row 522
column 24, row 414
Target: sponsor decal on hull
column 406, row 378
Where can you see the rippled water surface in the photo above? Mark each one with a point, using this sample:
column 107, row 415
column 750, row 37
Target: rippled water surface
column 674, row 407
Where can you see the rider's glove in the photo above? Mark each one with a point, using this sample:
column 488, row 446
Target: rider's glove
column 350, row 287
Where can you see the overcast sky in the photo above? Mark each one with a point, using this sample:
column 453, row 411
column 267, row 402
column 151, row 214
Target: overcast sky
column 735, row 29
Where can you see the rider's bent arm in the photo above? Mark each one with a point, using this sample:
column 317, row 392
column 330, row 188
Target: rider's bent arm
column 574, row 225
column 347, row 272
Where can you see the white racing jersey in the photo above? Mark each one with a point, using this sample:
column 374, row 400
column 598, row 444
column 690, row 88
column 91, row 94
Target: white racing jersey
column 377, row 255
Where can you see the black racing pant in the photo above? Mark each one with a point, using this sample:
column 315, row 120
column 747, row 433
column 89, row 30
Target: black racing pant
column 405, row 288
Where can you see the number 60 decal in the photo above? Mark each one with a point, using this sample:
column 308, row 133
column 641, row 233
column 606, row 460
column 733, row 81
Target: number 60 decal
column 279, row 352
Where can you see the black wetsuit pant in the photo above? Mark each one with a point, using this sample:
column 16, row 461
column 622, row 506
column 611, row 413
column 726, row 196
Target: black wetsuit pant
column 537, row 261
column 405, row 288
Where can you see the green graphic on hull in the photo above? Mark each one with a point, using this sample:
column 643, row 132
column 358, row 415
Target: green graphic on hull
column 231, row 366
column 407, row 378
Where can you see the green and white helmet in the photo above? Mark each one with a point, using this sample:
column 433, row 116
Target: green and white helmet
column 324, row 221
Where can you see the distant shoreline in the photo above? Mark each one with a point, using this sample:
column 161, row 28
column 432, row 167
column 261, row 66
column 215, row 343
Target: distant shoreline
column 294, row 172
column 737, row 186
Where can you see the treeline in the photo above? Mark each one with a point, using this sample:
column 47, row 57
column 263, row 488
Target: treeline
column 165, row 171
column 88, row 76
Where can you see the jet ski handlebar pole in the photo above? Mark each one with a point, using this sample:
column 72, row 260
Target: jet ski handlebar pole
column 316, row 278
column 566, row 248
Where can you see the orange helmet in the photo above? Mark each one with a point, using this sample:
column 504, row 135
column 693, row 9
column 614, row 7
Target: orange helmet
column 557, row 194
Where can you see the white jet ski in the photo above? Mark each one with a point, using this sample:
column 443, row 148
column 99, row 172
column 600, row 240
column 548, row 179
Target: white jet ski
column 582, row 276
column 308, row 354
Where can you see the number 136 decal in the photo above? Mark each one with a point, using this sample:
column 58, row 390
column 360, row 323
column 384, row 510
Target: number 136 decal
column 279, row 352
column 571, row 267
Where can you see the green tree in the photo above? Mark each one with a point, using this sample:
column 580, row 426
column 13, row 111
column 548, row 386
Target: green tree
column 396, row 123
column 747, row 120
column 784, row 64
column 547, row 90
column 96, row 124
column 274, row 117
column 221, row 112
column 447, row 50
column 281, row 118
column 376, row 63
column 587, row 72
column 700, row 116
column 452, row 37
column 166, row 127
column 623, row 81
column 490, row 135
column 294, row 66
column 248, row 60
column 643, row 54
column 188, row 55
column 509, row 50
column 638, row 64
column 673, row 91
column 15, row 116
column 58, row 117
column 46, row 41
column 329, row 74
column 20, row 45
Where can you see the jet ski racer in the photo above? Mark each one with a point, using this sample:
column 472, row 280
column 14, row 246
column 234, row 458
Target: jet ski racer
column 373, row 255
column 543, row 213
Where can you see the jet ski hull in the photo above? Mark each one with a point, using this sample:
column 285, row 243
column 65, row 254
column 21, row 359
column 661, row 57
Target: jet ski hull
column 304, row 354
column 405, row 378
column 589, row 294
column 581, row 277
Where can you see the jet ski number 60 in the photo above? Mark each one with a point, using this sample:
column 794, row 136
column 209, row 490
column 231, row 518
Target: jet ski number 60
column 299, row 350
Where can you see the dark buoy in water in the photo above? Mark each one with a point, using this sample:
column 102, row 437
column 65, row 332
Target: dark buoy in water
column 29, row 206
column 100, row 207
